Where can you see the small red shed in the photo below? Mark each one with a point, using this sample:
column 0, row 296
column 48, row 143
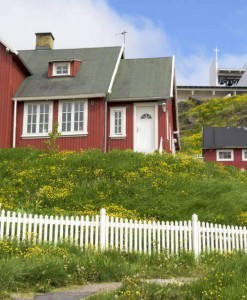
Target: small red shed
column 226, row 145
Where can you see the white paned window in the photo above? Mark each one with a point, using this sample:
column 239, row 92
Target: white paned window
column 61, row 69
column 73, row 117
column 224, row 155
column 118, row 122
column 244, row 154
column 37, row 119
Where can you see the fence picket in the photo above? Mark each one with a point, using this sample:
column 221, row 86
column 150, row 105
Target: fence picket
column 131, row 236
column 126, row 232
column 2, row 224
column 81, row 242
column 149, row 238
column 168, row 237
column 135, row 236
column 140, row 236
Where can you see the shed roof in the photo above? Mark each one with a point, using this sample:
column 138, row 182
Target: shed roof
column 144, row 79
column 93, row 77
column 224, row 137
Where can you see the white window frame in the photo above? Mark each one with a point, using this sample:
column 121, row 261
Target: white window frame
column 224, row 159
column 25, row 119
column 85, row 118
column 60, row 64
column 243, row 154
column 122, row 134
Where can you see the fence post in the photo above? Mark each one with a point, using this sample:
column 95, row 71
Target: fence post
column 195, row 235
column 102, row 228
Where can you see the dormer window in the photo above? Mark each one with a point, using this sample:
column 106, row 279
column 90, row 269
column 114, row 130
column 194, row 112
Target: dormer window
column 61, row 69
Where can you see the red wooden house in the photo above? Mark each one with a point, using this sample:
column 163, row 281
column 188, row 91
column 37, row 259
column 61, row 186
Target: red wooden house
column 98, row 98
column 226, row 145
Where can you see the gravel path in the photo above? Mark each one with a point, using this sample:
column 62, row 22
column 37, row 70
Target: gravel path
column 75, row 293
column 81, row 292
column 84, row 291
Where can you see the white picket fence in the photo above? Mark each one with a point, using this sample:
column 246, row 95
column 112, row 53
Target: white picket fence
column 104, row 232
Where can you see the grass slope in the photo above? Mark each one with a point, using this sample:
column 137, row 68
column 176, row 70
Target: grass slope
column 214, row 112
column 127, row 184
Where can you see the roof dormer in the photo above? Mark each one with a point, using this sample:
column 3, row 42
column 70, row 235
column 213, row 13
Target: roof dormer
column 63, row 68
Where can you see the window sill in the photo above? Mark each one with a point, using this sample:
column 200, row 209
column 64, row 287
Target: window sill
column 117, row 137
column 35, row 136
column 72, row 134
column 59, row 76
column 224, row 160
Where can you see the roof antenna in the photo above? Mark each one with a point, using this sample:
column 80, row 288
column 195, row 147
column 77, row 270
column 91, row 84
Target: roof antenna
column 123, row 33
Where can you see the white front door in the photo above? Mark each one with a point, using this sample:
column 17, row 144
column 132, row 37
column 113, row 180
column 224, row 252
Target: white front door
column 145, row 128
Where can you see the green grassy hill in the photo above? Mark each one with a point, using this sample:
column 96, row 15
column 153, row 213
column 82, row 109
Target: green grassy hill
column 125, row 183
column 230, row 111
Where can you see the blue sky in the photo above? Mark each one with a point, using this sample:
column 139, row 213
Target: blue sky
column 187, row 29
column 194, row 25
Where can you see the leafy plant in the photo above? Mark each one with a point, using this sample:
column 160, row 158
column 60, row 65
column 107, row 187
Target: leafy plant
column 51, row 144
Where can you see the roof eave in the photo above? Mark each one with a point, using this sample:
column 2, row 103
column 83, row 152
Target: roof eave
column 138, row 99
column 15, row 53
column 60, row 97
column 224, row 147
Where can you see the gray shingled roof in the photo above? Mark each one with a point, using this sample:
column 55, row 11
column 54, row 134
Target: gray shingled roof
column 143, row 79
column 93, row 77
column 224, row 137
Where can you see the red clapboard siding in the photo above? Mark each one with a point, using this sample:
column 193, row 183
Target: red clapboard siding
column 210, row 155
column 11, row 76
column 121, row 143
column 94, row 139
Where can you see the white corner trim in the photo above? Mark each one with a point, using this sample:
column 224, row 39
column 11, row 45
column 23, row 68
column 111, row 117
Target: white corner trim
column 115, row 69
column 14, row 124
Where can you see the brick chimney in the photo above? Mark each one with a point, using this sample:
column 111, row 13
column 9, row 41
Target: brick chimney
column 44, row 40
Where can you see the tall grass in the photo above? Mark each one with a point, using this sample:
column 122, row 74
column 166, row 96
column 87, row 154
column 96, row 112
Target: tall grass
column 41, row 268
column 127, row 184
column 221, row 278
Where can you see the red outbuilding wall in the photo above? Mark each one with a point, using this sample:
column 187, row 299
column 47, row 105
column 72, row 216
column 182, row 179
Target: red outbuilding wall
column 11, row 76
column 210, row 155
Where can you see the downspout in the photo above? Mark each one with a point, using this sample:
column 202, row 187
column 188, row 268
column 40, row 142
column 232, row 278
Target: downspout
column 105, row 129
column 14, row 123
column 110, row 90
